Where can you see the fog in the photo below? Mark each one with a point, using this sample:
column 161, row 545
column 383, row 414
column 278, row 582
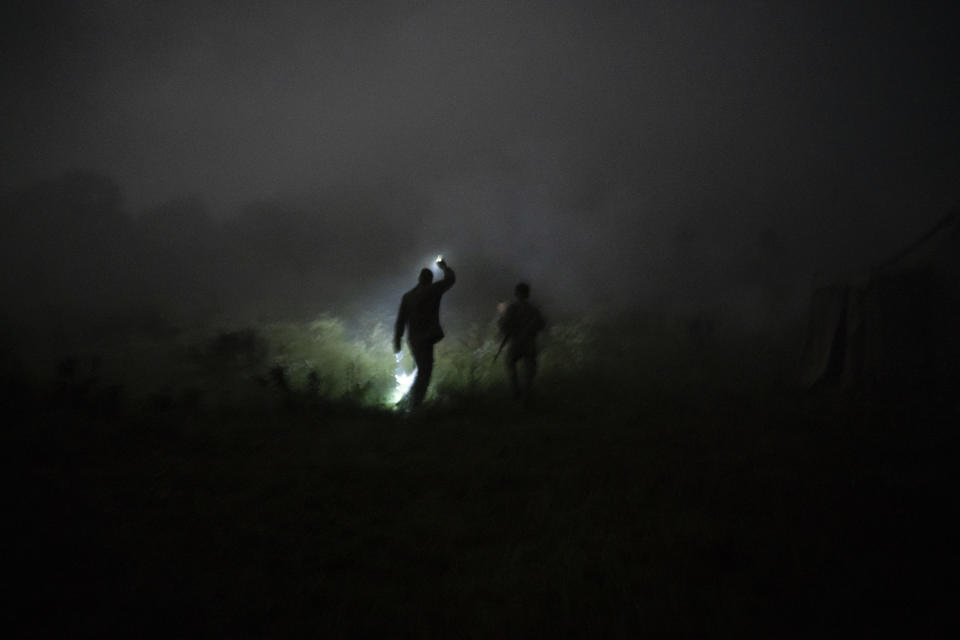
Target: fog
column 175, row 162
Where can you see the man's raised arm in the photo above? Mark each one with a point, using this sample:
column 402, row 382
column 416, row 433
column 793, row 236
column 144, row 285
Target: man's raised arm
column 449, row 277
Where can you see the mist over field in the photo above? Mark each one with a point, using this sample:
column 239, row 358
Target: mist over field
column 739, row 220
column 70, row 247
column 290, row 159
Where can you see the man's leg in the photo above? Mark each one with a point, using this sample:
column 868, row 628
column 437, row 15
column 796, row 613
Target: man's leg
column 512, row 358
column 527, row 359
column 423, row 357
column 529, row 371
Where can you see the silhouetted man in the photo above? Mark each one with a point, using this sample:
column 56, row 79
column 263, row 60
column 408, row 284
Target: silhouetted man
column 420, row 312
column 519, row 325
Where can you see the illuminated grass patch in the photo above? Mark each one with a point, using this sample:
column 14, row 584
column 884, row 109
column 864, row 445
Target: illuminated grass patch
column 403, row 380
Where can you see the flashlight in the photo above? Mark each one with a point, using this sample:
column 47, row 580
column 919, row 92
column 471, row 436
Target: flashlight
column 439, row 259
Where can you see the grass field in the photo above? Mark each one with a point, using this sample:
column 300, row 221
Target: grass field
column 638, row 496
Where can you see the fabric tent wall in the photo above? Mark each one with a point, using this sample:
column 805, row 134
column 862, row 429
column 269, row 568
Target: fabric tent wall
column 900, row 330
column 824, row 349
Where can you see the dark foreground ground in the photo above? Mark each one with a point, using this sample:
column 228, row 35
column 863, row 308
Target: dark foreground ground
column 777, row 515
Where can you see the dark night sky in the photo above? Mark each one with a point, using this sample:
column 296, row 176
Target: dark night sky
column 612, row 152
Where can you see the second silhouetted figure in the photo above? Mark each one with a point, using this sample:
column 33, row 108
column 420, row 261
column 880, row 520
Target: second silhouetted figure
column 420, row 314
column 519, row 325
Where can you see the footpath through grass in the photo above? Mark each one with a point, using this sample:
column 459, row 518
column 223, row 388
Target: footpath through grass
column 732, row 514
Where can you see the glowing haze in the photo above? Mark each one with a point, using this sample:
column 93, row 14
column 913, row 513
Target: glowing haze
column 616, row 155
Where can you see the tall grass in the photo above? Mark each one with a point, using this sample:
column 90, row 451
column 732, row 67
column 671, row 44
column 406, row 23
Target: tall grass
column 330, row 360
